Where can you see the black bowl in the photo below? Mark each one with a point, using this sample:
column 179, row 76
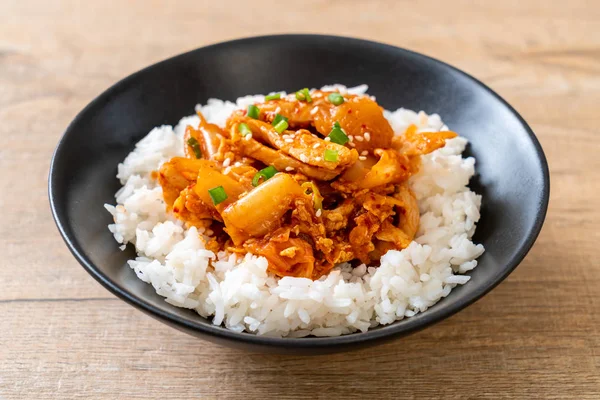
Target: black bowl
column 512, row 173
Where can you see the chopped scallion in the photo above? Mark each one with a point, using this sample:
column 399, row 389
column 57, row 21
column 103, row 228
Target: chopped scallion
column 244, row 129
column 275, row 96
column 335, row 98
column 337, row 135
column 330, row 155
column 278, row 118
column 193, row 143
column 217, row 195
column 304, row 95
column 265, row 173
column 281, row 126
column 253, row 111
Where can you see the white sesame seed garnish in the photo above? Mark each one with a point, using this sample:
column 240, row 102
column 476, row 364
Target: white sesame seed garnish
column 227, row 170
column 289, row 140
column 289, row 168
column 314, row 110
column 364, row 153
column 328, row 139
column 318, row 158
column 226, row 162
column 209, row 232
column 351, row 144
column 318, row 213
column 316, row 145
column 277, row 109
column 237, row 164
column 362, row 158
column 248, row 137
column 303, row 158
column 351, row 138
column 367, row 136
column 285, row 136
column 359, row 138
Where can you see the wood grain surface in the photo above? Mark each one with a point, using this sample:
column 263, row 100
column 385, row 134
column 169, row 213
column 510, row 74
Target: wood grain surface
column 537, row 335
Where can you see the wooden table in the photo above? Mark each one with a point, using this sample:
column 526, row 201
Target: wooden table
column 537, row 335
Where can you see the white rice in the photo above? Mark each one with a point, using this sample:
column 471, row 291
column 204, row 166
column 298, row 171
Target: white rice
column 239, row 293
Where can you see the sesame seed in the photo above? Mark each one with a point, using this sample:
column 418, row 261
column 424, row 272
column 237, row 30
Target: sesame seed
column 289, row 168
column 367, row 136
column 277, row 109
column 227, row 170
column 328, row 139
column 237, row 164
column 316, row 145
column 226, row 162
column 209, row 233
column 362, row 158
column 351, row 144
column 289, row 140
column 314, row 110
column 248, row 137
column 318, row 213
column 351, row 138
column 364, row 153
column 303, row 158
column 285, row 136
column 318, row 158
column 359, row 138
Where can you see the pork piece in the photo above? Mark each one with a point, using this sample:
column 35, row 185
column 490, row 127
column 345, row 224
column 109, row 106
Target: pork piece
column 208, row 136
column 413, row 143
column 283, row 162
column 176, row 175
column 391, row 168
column 359, row 116
column 303, row 145
column 292, row 257
column 189, row 208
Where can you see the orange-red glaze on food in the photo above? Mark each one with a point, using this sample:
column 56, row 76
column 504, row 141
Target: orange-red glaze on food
column 313, row 213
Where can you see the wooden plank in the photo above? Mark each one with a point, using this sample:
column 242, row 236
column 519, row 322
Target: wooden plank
column 536, row 335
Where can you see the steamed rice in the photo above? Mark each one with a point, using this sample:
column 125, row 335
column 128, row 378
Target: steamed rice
column 238, row 293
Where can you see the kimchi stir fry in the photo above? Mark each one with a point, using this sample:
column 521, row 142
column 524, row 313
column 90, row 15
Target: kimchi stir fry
column 308, row 180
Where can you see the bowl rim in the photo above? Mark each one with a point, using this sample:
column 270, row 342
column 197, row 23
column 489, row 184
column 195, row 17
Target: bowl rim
column 410, row 325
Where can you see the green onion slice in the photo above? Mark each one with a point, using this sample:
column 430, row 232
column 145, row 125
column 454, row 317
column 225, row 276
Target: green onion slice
column 337, row 135
column 275, row 96
column 217, row 195
column 335, row 98
column 330, row 155
column 304, row 95
column 281, row 126
column 278, row 118
column 244, row 129
column 193, row 143
column 311, row 189
column 265, row 173
column 253, row 111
